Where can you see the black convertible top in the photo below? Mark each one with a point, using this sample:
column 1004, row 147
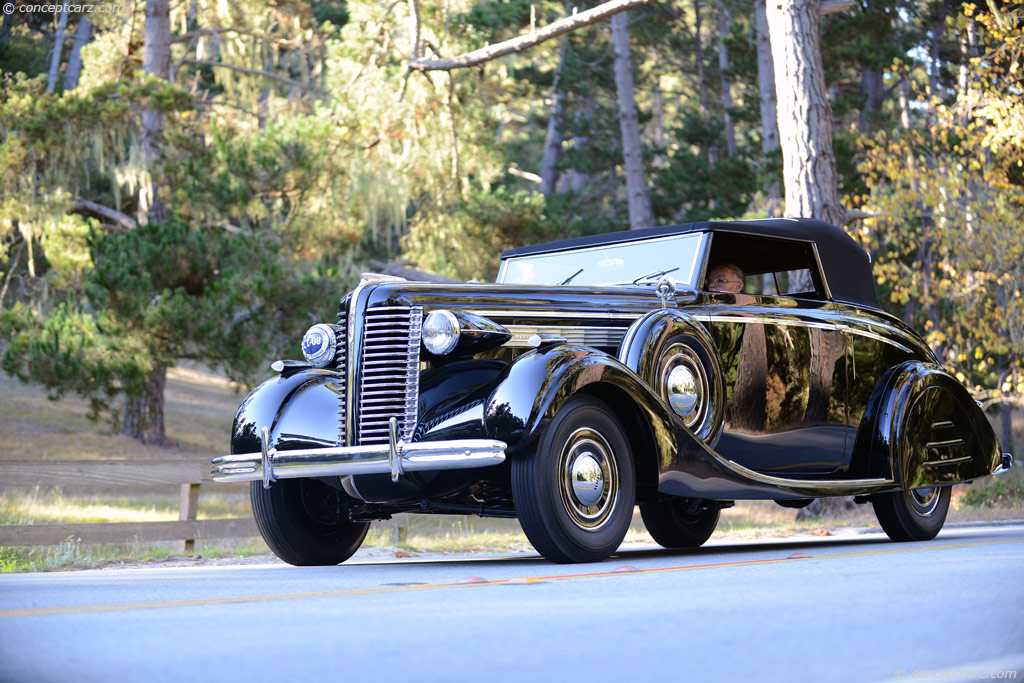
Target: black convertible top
column 846, row 266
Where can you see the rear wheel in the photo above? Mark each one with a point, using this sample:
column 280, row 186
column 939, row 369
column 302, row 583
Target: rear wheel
column 304, row 522
column 915, row 515
column 679, row 522
column 574, row 495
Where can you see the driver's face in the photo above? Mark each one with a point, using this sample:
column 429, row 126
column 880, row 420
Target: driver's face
column 722, row 279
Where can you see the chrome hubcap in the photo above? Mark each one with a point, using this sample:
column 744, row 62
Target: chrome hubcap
column 924, row 500
column 589, row 481
column 686, row 385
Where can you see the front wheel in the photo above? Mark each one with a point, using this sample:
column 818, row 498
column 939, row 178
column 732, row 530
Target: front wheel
column 679, row 522
column 574, row 495
column 915, row 515
column 304, row 522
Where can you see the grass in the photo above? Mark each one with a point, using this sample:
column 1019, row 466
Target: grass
column 200, row 407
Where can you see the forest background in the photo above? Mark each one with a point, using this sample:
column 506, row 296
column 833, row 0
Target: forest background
column 198, row 179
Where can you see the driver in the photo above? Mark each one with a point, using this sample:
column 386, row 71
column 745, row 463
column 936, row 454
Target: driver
column 725, row 277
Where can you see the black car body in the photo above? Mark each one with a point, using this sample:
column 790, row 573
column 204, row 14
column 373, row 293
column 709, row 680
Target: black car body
column 599, row 373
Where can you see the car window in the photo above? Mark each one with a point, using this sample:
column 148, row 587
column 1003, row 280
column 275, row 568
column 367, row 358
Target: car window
column 641, row 262
column 780, row 283
column 771, row 266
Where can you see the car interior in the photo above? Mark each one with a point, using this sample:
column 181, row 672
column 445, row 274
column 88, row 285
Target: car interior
column 772, row 266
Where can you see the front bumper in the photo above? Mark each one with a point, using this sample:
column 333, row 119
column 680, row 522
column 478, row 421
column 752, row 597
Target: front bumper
column 395, row 458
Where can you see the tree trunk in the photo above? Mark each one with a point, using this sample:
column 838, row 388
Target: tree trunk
column 826, row 350
column 144, row 413
column 935, row 63
column 724, row 27
column 749, row 400
column 82, row 36
column 156, row 61
column 805, row 117
column 874, row 96
column 6, row 19
column 702, row 78
column 58, row 49
column 640, row 215
column 769, row 102
column 553, row 139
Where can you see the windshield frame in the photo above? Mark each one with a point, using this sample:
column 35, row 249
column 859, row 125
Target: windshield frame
column 694, row 270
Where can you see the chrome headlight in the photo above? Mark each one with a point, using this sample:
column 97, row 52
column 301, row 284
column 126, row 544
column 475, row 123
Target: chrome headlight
column 319, row 345
column 441, row 332
column 458, row 333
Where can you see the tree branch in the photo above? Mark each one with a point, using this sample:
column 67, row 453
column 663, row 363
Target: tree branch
column 835, row 6
column 520, row 43
column 118, row 218
column 245, row 69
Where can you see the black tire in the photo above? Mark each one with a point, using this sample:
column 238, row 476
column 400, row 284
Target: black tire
column 584, row 443
column 302, row 520
column 916, row 515
column 679, row 522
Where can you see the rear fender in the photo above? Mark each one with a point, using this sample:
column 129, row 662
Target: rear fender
column 922, row 428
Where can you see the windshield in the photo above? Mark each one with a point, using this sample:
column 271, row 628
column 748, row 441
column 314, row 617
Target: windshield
column 624, row 263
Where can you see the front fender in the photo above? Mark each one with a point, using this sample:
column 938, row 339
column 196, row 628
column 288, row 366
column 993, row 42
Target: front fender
column 923, row 428
column 299, row 411
column 533, row 388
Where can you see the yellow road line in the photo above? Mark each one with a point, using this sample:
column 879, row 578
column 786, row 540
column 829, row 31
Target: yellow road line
column 272, row 597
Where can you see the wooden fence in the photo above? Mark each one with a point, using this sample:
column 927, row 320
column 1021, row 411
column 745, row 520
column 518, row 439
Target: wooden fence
column 189, row 474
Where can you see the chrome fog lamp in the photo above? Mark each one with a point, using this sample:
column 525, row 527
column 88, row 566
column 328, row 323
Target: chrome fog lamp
column 441, row 332
column 319, row 345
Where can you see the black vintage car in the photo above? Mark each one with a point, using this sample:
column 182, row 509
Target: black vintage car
column 600, row 373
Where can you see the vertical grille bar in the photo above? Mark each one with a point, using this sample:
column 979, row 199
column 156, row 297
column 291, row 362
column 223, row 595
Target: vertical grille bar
column 389, row 372
column 342, row 368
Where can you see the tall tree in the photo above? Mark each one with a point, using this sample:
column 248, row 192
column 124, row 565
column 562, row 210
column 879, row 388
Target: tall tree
column 640, row 215
column 805, row 115
column 58, row 49
column 156, row 62
column 767, row 99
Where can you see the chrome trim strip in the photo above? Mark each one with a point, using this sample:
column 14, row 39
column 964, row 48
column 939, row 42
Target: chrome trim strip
column 876, row 337
column 764, row 320
column 929, row 464
column 507, row 313
column 802, row 483
column 944, row 444
column 424, row 456
column 941, row 425
column 585, row 336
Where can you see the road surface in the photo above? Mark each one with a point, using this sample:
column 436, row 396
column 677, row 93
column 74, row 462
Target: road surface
column 856, row 608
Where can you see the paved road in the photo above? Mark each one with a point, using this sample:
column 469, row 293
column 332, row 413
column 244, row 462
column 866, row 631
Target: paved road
column 854, row 609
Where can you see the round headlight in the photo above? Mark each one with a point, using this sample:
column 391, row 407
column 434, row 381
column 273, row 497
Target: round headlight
column 319, row 345
column 441, row 332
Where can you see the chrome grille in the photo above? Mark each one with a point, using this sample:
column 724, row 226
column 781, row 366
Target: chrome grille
column 389, row 380
column 342, row 368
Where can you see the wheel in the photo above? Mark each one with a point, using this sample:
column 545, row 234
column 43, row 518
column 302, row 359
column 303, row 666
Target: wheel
column 574, row 494
column 303, row 522
column 915, row 515
column 679, row 522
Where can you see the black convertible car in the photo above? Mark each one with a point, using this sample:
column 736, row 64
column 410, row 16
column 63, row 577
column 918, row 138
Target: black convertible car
column 603, row 372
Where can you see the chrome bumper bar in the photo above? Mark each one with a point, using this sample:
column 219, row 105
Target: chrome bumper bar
column 394, row 458
column 1005, row 464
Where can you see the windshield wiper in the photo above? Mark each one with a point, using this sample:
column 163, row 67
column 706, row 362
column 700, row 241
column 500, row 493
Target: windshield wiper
column 656, row 273
column 568, row 279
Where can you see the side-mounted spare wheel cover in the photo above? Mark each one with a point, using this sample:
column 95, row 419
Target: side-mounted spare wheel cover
column 676, row 356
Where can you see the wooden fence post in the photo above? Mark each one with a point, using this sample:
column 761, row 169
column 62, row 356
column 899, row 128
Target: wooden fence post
column 187, row 511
